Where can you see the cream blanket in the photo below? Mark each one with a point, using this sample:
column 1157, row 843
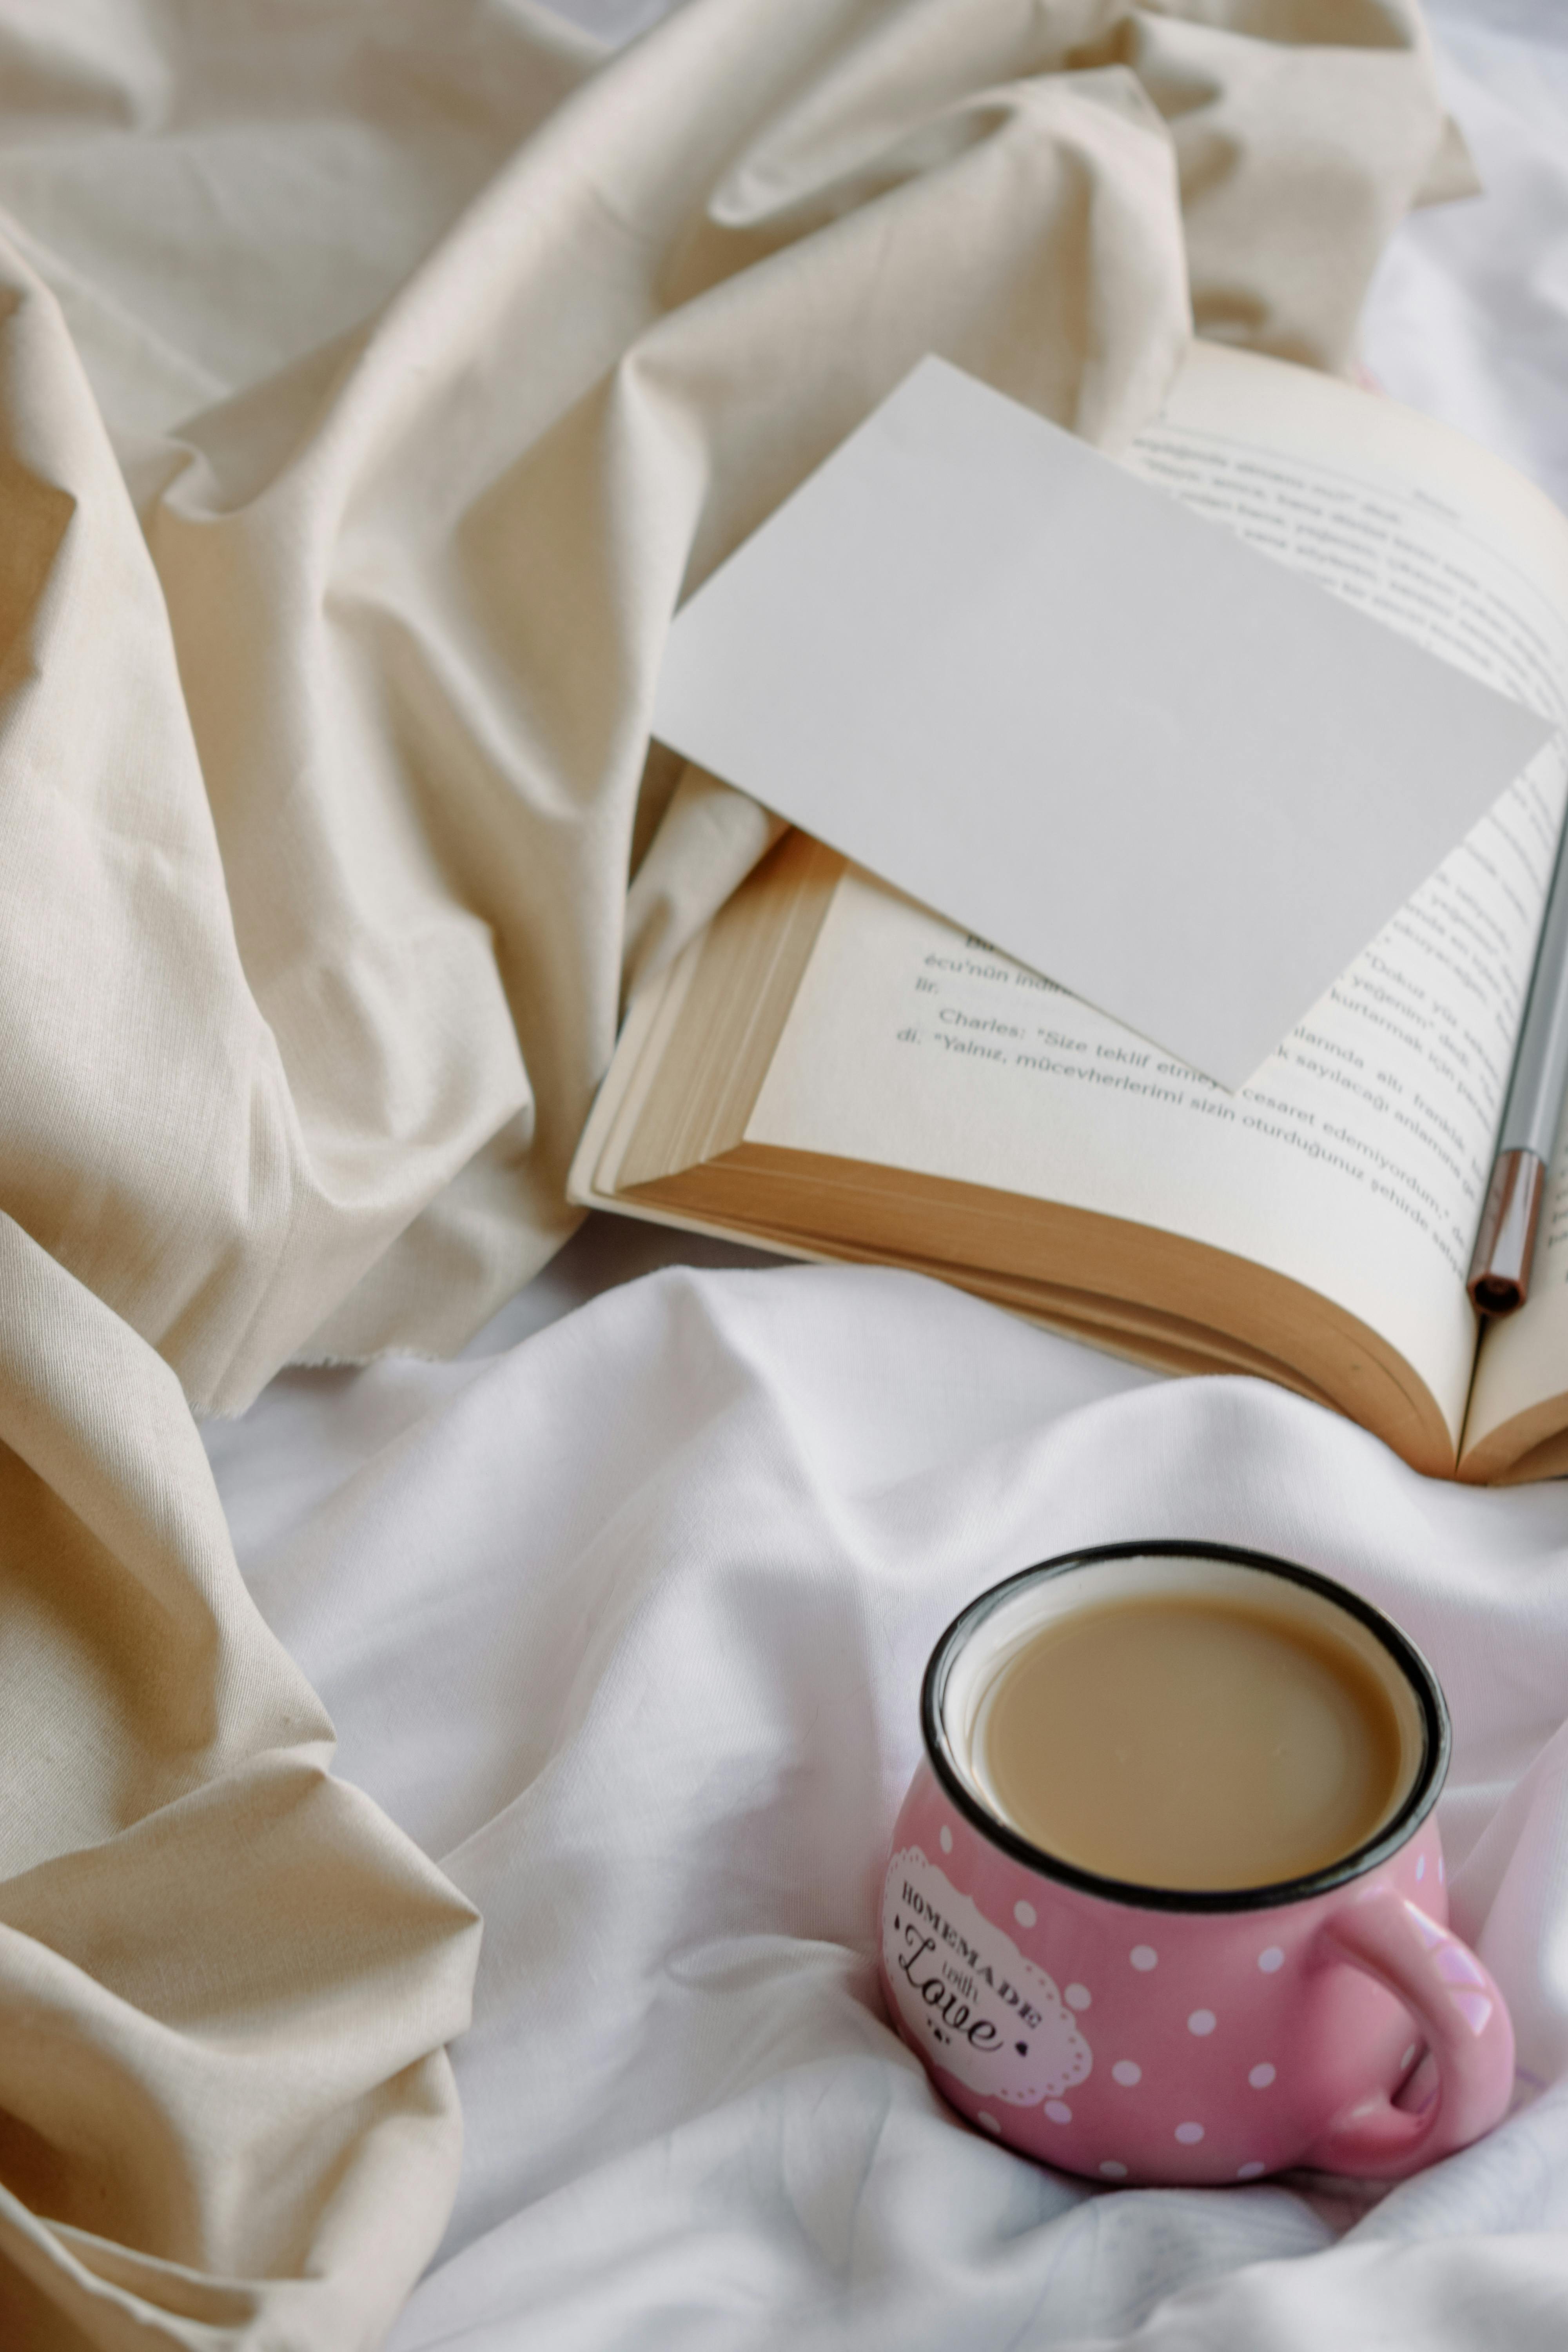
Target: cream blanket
column 373, row 384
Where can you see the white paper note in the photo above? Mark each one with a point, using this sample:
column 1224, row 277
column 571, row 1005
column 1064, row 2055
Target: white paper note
column 1033, row 692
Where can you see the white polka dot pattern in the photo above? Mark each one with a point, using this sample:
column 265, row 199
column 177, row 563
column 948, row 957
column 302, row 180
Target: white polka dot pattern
column 1144, row 1957
column 1271, row 1959
column 1189, row 2133
column 1202, row 2022
column 1127, row 2072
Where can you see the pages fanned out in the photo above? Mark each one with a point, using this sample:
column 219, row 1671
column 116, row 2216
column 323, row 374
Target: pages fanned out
column 834, row 1069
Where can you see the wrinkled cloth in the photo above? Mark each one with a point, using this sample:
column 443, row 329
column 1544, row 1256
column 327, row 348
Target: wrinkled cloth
column 225, row 1978
column 373, row 381
column 626, row 1626
column 1467, row 314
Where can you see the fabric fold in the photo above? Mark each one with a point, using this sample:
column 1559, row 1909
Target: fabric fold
column 318, row 1019
column 227, row 1981
column 370, row 392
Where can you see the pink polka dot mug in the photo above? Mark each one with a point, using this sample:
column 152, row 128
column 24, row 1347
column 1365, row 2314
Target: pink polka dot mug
column 1140, row 2034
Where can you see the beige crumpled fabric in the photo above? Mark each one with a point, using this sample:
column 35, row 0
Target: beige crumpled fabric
column 322, row 784
column 375, row 380
column 225, row 1979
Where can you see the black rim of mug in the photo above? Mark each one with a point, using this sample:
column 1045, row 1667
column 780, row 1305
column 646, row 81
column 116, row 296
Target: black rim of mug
column 1423, row 1791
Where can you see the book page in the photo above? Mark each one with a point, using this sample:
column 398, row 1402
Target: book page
column 1357, row 1159
column 1521, row 1374
column 1522, row 1371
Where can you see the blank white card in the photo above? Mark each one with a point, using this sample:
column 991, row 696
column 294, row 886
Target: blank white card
column 1033, row 692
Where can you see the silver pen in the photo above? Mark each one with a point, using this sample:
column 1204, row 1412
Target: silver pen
column 1505, row 1244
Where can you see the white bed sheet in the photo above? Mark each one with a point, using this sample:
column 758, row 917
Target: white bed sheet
column 626, row 1625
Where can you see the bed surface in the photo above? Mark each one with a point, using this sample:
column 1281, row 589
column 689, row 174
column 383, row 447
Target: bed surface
column 622, row 1616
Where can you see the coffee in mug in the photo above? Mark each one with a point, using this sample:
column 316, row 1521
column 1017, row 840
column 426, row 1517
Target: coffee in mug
column 1165, row 1900
column 1200, row 1739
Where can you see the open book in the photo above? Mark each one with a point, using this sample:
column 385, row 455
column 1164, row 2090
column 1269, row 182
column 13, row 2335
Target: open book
column 832, row 1070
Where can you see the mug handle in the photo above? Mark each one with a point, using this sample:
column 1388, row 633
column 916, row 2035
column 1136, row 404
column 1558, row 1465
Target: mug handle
column 1468, row 2035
